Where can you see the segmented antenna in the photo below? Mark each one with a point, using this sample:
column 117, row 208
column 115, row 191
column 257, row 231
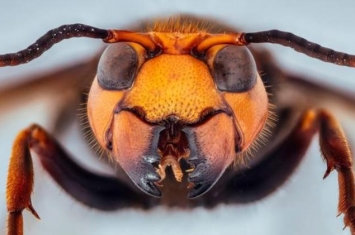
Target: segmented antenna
column 301, row 45
column 111, row 36
column 49, row 39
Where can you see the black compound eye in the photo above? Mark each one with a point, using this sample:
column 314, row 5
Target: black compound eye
column 118, row 66
column 234, row 69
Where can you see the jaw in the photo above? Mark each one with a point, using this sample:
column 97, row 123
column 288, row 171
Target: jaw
column 217, row 125
column 145, row 151
column 215, row 135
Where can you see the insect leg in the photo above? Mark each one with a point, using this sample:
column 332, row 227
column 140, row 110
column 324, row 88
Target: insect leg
column 337, row 154
column 100, row 192
column 19, row 183
column 258, row 182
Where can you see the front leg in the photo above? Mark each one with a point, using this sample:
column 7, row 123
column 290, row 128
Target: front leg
column 338, row 156
column 257, row 182
column 19, row 183
column 100, row 192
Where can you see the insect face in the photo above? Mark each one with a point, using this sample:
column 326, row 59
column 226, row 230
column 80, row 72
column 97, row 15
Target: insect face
column 153, row 112
column 188, row 101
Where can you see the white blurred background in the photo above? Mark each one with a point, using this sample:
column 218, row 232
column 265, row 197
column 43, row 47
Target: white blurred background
column 305, row 205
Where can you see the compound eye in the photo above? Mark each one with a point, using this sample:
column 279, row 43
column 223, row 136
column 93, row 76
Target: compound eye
column 234, row 69
column 117, row 67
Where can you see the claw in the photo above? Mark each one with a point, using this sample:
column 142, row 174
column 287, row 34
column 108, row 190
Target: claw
column 330, row 168
column 152, row 176
column 151, row 158
column 203, row 178
column 134, row 149
column 144, row 175
column 149, row 188
column 212, row 147
column 32, row 210
column 198, row 190
column 211, row 150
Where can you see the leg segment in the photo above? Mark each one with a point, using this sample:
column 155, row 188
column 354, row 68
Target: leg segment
column 266, row 177
column 101, row 192
column 19, row 183
column 337, row 154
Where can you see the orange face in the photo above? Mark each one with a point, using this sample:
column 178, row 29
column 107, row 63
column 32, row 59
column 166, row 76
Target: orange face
column 153, row 111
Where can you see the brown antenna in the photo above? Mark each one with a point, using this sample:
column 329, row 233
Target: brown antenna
column 48, row 40
column 111, row 36
column 301, row 45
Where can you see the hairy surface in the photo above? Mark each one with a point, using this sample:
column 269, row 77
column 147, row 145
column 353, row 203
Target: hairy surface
column 180, row 24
